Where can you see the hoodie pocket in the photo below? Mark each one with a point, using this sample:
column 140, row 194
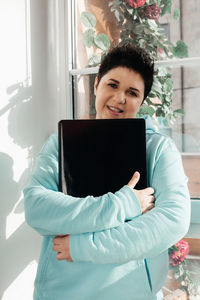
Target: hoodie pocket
column 144, row 279
column 43, row 261
column 148, row 274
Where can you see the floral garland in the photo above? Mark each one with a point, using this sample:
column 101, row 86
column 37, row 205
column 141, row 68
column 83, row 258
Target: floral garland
column 138, row 23
column 178, row 264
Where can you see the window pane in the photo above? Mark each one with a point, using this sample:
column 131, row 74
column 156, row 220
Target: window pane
column 106, row 23
column 187, row 27
column 191, row 29
column 186, row 129
column 84, row 99
column 186, row 80
column 181, row 24
column 191, row 165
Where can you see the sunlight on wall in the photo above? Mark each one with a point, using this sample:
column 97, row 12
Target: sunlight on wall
column 15, row 81
column 14, row 220
column 15, row 40
column 22, row 287
column 15, row 68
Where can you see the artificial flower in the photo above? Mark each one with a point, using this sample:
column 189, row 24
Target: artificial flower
column 177, row 256
column 136, row 3
column 152, row 12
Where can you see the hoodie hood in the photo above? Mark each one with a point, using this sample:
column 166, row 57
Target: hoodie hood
column 150, row 124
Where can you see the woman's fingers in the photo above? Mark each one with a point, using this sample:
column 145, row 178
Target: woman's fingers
column 134, row 180
column 149, row 207
column 152, row 198
column 56, row 248
column 58, row 239
column 149, row 191
column 145, row 196
column 60, row 256
column 61, row 246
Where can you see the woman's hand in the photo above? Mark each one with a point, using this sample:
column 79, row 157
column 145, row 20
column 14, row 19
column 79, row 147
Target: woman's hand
column 145, row 196
column 61, row 245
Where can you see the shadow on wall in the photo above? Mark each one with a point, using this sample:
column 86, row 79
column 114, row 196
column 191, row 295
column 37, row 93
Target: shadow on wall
column 19, row 249
column 24, row 122
column 23, row 127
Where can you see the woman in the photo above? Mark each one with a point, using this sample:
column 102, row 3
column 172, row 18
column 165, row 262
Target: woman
column 89, row 250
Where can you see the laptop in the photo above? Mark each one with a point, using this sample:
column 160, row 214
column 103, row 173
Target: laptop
column 100, row 156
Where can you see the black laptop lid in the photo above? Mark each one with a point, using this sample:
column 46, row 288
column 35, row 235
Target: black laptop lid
column 100, row 156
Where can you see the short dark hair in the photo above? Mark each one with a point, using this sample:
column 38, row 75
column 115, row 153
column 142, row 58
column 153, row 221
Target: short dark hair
column 131, row 57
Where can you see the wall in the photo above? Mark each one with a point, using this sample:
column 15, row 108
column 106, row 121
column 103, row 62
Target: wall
column 29, row 112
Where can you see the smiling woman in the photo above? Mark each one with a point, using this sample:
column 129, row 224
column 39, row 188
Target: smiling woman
column 123, row 82
column 111, row 246
column 119, row 94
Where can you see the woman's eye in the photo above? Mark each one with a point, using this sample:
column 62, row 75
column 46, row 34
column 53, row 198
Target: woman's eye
column 113, row 85
column 132, row 93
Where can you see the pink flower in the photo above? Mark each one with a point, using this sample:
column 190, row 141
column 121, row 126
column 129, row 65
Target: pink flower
column 153, row 12
column 176, row 257
column 136, row 3
column 161, row 52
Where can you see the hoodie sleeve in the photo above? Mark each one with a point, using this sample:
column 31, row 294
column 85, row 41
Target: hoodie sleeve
column 149, row 234
column 53, row 213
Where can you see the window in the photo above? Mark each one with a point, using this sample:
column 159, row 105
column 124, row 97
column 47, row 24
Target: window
column 185, row 73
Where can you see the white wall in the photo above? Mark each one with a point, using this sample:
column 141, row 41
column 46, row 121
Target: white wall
column 31, row 103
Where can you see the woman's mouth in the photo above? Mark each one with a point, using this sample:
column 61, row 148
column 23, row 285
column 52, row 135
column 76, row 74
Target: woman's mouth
column 114, row 110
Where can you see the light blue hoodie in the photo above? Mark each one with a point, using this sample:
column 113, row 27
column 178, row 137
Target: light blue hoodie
column 112, row 259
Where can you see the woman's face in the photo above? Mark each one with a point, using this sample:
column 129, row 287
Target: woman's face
column 119, row 94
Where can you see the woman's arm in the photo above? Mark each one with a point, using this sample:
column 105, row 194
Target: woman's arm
column 53, row 213
column 149, row 234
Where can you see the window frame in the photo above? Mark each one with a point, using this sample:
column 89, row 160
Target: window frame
column 66, row 16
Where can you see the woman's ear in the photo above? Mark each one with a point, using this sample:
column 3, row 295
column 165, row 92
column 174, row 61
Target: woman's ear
column 95, row 85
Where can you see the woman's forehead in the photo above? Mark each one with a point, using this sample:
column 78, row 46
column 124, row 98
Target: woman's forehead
column 124, row 75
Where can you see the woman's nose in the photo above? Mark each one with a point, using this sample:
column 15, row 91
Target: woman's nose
column 120, row 97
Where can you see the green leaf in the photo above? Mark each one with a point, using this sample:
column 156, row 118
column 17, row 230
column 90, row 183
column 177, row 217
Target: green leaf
column 94, row 60
column 158, row 2
column 88, row 37
column 157, row 86
column 168, row 85
column 179, row 111
column 153, row 25
column 147, row 110
column 141, row 43
column 88, row 19
column 102, row 41
column 174, row 248
column 162, row 71
column 176, row 15
column 149, row 2
column 152, row 95
column 138, row 29
column 146, row 30
column 180, row 50
column 165, row 122
column 166, row 6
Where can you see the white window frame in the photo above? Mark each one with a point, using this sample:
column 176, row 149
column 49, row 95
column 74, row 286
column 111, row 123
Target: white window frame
column 59, row 56
column 64, row 46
